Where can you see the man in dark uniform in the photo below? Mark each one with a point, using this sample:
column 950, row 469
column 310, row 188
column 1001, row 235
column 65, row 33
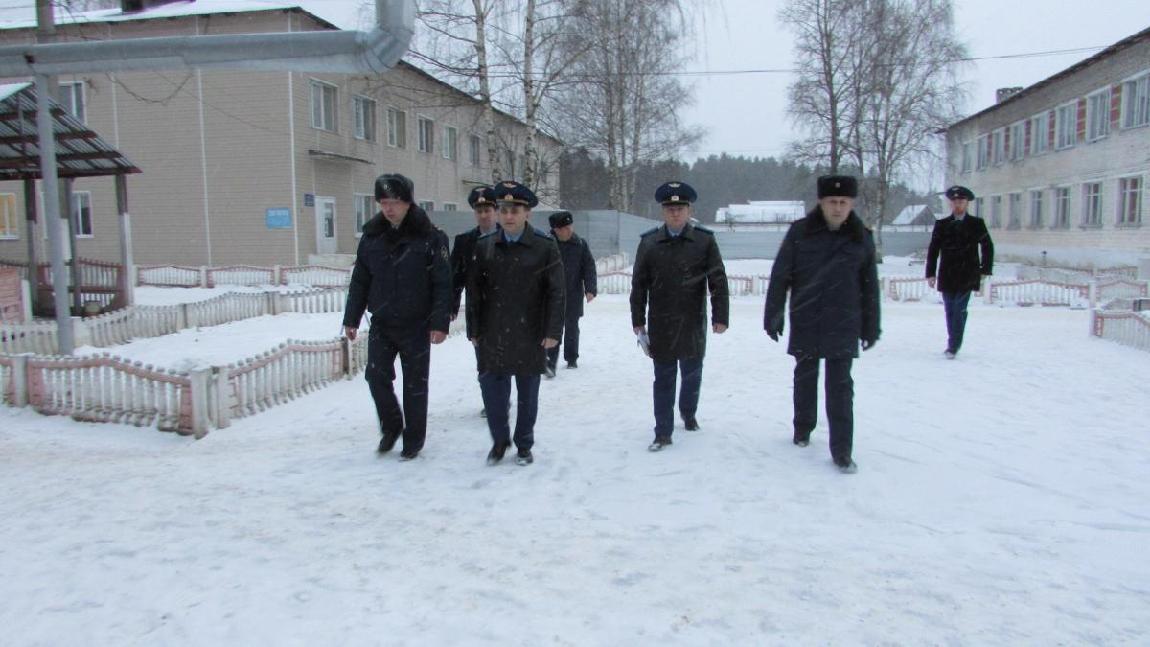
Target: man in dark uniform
column 514, row 315
column 963, row 244
column 675, row 266
column 827, row 262
column 580, row 283
column 482, row 201
column 403, row 277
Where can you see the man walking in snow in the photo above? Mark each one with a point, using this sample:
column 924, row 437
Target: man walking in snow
column 962, row 243
column 675, row 266
column 514, row 315
column 403, row 278
column 580, row 276
column 827, row 263
column 482, row 201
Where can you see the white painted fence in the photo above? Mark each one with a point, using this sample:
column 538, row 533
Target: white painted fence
column 171, row 276
column 1074, row 275
column 33, row 337
column 242, row 275
column 320, row 276
column 184, row 276
column 280, row 375
column 1128, row 328
column 613, row 263
column 1035, row 292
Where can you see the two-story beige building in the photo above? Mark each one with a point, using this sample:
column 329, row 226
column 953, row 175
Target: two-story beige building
column 1061, row 167
column 260, row 167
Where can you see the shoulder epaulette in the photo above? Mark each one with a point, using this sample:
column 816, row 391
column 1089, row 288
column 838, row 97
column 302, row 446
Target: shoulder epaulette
column 541, row 233
column 649, row 232
column 704, row 230
column 489, row 234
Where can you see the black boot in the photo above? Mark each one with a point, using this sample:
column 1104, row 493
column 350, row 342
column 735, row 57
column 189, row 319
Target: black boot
column 388, row 441
column 497, row 452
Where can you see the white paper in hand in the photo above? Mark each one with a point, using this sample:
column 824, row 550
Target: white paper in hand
column 644, row 343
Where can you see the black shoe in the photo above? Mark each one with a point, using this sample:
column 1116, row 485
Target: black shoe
column 483, row 412
column 524, row 457
column 388, row 441
column 950, row 353
column 802, row 442
column 408, row 454
column 496, row 453
column 691, row 424
column 659, row 444
column 572, row 364
column 846, row 465
column 549, row 371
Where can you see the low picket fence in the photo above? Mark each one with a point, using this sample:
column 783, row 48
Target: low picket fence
column 613, row 263
column 1074, row 275
column 1127, row 328
column 185, row 276
column 737, row 285
column 1036, row 292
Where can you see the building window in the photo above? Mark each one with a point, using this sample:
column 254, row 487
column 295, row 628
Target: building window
column 1098, row 115
column 996, row 212
column 364, row 119
column 474, row 149
column 364, row 210
column 72, row 100
column 1061, row 208
column 509, row 162
column 998, row 149
column 1015, row 214
column 1130, row 201
column 1039, row 127
column 396, row 128
column 82, row 213
column 450, row 138
column 1092, row 204
column 450, row 206
column 1064, row 126
column 1036, row 214
column 983, row 152
column 1018, row 140
column 1136, row 101
column 967, row 157
column 978, row 207
column 9, row 222
column 323, row 103
column 426, row 135
column 427, row 205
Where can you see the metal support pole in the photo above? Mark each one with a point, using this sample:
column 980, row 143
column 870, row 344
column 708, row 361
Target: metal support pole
column 126, row 259
column 71, row 224
column 30, row 221
column 44, row 125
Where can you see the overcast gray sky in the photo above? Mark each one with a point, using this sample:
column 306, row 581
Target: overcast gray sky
column 745, row 113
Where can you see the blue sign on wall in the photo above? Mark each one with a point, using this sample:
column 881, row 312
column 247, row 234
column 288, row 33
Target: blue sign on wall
column 278, row 218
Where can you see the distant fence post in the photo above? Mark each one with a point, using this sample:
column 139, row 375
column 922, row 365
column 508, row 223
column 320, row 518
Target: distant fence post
column 26, row 300
column 218, row 400
column 200, row 381
column 19, row 381
column 204, row 283
column 1092, row 293
column 81, row 333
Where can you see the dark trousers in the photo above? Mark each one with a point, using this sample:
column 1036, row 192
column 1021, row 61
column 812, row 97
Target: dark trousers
column 666, row 374
column 840, row 402
column 497, row 399
column 570, row 343
column 414, row 350
column 955, row 305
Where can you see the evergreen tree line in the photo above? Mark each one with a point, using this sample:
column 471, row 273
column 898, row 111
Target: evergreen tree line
column 720, row 180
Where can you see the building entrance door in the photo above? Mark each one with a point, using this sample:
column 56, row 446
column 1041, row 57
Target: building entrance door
column 325, row 225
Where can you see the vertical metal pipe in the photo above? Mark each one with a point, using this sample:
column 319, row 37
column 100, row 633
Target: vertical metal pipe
column 45, row 127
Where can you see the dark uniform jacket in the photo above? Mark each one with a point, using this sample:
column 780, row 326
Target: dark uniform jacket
column 958, row 243
column 401, row 276
column 461, row 253
column 669, row 291
column 514, row 300
column 579, row 273
column 833, row 281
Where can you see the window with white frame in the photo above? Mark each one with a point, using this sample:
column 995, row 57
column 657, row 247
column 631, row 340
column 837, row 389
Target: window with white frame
column 978, row 207
column 1136, row 101
column 1064, row 125
column 996, row 212
column 450, row 206
column 1017, row 140
column 1039, row 133
column 82, row 213
column 983, row 152
column 396, row 128
column 1015, row 211
column 365, row 119
column 9, row 221
column 426, row 135
column 509, row 163
column 450, row 142
column 1036, row 208
column 72, row 100
column 364, row 211
column 427, row 205
column 967, row 157
column 474, row 150
column 1130, row 200
column 1061, row 208
column 998, row 149
column 1092, row 204
column 324, row 98
column 1098, row 115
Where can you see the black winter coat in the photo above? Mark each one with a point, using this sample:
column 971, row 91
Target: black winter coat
column 401, row 276
column 833, row 281
column 514, row 301
column 578, row 272
column 958, row 244
column 673, row 275
column 461, row 254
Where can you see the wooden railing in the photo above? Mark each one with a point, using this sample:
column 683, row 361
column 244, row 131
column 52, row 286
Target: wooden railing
column 1128, row 328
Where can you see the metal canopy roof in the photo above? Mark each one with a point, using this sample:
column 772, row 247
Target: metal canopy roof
column 80, row 152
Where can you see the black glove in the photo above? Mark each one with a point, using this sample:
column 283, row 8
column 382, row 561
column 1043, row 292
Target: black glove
column 773, row 334
column 868, row 344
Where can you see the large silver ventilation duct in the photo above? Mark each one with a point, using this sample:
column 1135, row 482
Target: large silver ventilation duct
column 350, row 52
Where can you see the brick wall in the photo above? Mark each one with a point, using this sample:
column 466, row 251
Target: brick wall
column 11, row 295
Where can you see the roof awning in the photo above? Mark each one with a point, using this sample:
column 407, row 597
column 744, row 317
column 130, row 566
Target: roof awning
column 332, row 156
column 80, row 152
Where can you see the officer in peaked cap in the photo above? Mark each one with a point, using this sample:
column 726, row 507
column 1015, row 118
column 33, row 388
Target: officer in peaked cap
column 581, row 282
column 514, row 315
column 483, row 204
column 675, row 267
column 827, row 263
column 960, row 254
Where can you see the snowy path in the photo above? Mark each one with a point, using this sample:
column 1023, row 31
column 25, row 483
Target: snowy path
column 1002, row 499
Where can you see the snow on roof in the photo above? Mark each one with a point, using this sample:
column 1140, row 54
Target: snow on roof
column 9, row 89
column 908, row 214
column 173, row 10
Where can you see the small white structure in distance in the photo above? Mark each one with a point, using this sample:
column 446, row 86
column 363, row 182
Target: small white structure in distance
column 761, row 212
column 913, row 217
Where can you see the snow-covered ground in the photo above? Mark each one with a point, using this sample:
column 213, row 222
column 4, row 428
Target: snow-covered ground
column 1002, row 499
